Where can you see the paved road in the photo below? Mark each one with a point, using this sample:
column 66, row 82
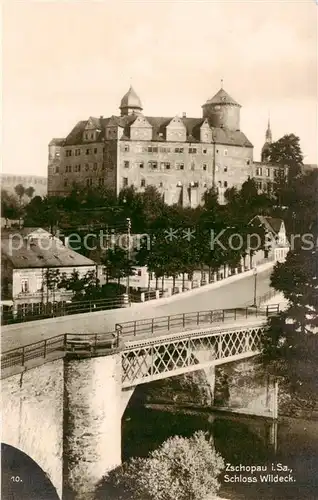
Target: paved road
column 237, row 294
column 229, row 295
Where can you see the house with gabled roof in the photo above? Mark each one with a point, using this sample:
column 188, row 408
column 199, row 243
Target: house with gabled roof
column 276, row 242
column 28, row 256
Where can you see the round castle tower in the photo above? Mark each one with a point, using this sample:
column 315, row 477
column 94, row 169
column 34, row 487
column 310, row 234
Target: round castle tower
column 222, row 111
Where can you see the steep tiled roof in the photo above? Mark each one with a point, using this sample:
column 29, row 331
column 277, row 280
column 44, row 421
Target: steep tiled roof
column 52, row 253
column 159, row 124
column 272, row 224
column 222, row 97
column 275, row 223
column 56, row 142
column 76, row 135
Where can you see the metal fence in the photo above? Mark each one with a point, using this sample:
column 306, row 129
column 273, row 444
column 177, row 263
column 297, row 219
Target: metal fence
column 192, row 319
column 44, row 311
column 91, row 343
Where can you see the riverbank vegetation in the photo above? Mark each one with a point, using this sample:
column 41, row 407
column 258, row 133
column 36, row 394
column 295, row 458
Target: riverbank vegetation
column 180, row 469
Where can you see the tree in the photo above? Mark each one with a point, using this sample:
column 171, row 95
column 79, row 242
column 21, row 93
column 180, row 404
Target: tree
column 117, row 264
column 20, row 191
column 9, row 207
column 290, row 346
column 85, row 288
column 51, row 279
column 180, row 469
column 287, row 155
column 286, row 152
column 30, row 191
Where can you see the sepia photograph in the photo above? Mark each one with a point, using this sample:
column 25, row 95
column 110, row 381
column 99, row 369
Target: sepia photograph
column 159, row 250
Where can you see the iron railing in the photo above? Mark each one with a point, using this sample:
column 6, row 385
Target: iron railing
column 44, row 311
column 91, row 343
column 191, row 319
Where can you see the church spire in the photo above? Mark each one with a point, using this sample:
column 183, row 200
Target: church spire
column 268, row 142
column 268, row 135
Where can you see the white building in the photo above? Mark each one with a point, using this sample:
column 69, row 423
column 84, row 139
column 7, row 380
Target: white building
column 28, row 256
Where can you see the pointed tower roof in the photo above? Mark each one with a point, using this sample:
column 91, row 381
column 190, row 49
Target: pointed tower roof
column 222, row 97
column 268, row 134
column 131, row 100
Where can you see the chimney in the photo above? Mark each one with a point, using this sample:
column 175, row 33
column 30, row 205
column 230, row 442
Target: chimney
column 184, row 114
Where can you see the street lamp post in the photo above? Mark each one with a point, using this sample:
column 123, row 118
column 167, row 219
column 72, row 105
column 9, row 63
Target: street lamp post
column 255, row 285
column 128, row 253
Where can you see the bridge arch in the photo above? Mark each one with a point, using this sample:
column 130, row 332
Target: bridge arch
column 22, row 477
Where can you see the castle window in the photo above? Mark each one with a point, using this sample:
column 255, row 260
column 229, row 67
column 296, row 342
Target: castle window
column 142, row 183
column 95, row 166
column 65, row 182
column 259, row 171
column 204, row 166
column 225, row 152
column 248, row 162
column 125, row 181
column 225, row 169
column 178, row 150
column 95, row 151
column 89, row 182
column 204, row 151
column 153, row 164
column 192, row 150
column 225, row 184
column 141, row 164
column 161, row 184
column 126, row 164
column 77, row 152
column 68, row 152
column 57, row 170
column 126, row 148
column 88, row 151
column 101, row 181
column 180, row 166
column 165, row 165
column 24, row 285
column 217, row 150
column 152, row 149
column 268, row 172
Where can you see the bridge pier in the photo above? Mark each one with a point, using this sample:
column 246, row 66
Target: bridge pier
column 92, row 423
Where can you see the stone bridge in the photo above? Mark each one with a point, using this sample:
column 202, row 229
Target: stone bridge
column 63, row 400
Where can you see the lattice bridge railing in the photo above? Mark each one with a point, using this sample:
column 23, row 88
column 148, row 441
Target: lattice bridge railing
column 150, row 360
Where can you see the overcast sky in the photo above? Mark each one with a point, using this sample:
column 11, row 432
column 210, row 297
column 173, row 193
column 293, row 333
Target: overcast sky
column 66, row 61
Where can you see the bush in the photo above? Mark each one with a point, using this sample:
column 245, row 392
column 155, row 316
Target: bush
column 180, row 469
